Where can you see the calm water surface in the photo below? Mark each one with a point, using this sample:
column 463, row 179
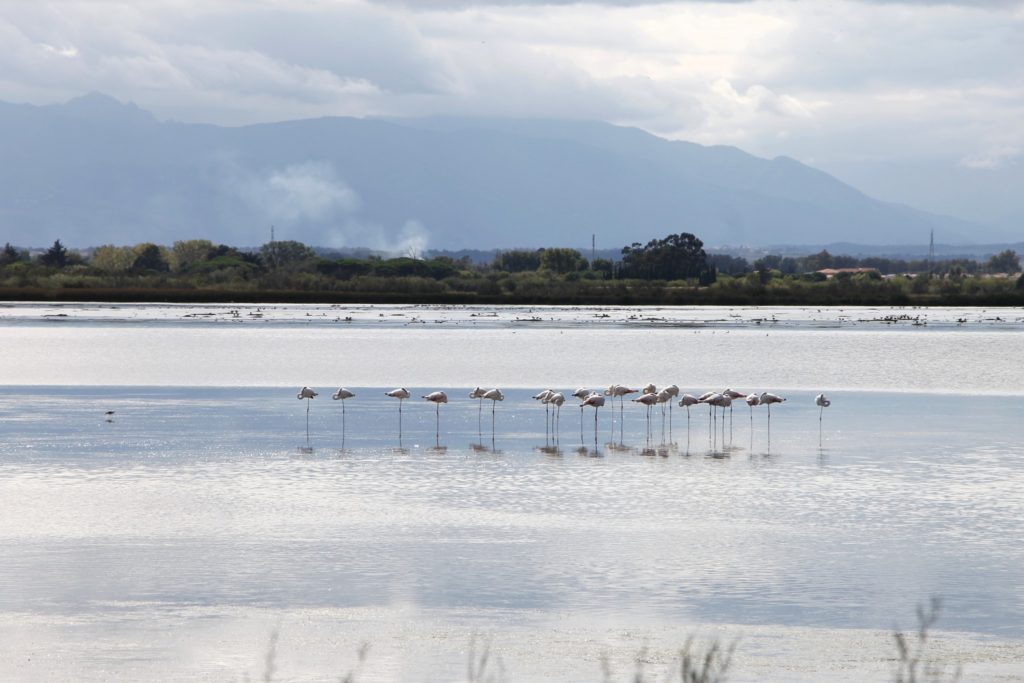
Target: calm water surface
column 208, row 509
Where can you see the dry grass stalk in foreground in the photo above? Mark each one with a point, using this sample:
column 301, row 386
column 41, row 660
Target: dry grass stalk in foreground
column 912, row 666
column 696, row 664
column 479, row 669
column 709, row 664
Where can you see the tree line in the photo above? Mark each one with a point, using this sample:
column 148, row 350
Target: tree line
column 674, row 269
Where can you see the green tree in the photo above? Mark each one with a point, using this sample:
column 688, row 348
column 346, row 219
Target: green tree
column 56, row 256
column 187, row 253
column 10, row 255
column 675, row 257
column 1005, row 261
column 113, row 259
column 604, row 267
column 149, row 258
column 517, row 261
column 729, row 265
column 287, row 255
column 561, row 260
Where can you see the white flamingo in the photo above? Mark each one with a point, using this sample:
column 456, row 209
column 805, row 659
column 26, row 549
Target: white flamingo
column 687, row 400
column 664, row 396
column 437, row 398
column 478, row 394
column 340, row 395
column 401, row 395
column 309, row 395
column 752, row 400
column 557, row 399
column 543, row 398
column 595, row 400
column 647, row 400
column 767, row 399
column 582, row 394
column 493, row 395
column 673, row 392
column 620, row 391
column 733, row 395
column 703, row 398
column 650, row 389
column 822, row 403
column 710, row 397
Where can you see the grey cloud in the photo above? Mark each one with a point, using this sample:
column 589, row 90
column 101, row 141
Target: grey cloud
column 360, row 43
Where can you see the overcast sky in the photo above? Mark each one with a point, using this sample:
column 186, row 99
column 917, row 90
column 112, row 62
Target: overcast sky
column 830, row 83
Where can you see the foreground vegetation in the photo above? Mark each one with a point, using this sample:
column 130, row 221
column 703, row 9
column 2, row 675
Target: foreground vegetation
column 675, row 270
column 694, row 662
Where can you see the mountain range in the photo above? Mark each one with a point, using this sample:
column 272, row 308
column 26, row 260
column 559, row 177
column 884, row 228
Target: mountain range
column 95, row 170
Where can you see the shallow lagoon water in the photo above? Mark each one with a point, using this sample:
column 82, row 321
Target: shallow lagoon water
column 171, row 541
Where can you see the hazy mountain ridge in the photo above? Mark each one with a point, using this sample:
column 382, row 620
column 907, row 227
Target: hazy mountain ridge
column 95, row 170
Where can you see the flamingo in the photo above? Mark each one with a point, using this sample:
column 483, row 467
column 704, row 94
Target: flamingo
column 478, row 393
column 650, row 389
column 557, row 399
column 437, row 398
column 752, row 400
column 582, row 394
column 712, row 398
column 726, row 402
column 340, row 395
column 673, row 393
column 767, row 399
column 401, row 395
column 703, row 398
column 620, row 391
column 493, row 395
column 595, row 400
column 665, row 396
column 647, row 400
column 543, row 398
column 309, row 395
column 617, row 390
column 733, row 395
column 687, row 400
column 823, row 403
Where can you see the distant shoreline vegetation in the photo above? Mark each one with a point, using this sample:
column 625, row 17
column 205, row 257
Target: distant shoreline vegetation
column 674, row 270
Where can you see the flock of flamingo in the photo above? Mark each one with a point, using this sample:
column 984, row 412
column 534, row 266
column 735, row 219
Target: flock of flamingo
column 649, row 396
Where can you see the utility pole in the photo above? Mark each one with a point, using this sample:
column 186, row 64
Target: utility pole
column 931, row 251
column 593, row 246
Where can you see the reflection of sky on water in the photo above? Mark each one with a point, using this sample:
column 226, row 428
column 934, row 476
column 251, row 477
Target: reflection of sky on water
column 199, row 516
column 205, row 496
